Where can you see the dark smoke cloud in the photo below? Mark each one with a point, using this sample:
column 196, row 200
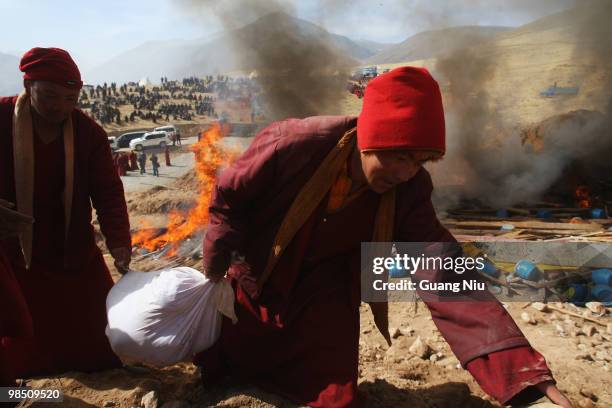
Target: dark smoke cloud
column 496, row 167
column 299, row 72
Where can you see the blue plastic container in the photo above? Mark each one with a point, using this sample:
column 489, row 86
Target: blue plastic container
column 603, row 293
column 602, row 276
column 490, row 269
column 597, row 213
column 396, row 272
column 501, row 213
column 527, row 270
column 577, row 293
column 544, row 214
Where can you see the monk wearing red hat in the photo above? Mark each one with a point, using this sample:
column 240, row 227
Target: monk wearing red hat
column 297, row 205
column 55, row 162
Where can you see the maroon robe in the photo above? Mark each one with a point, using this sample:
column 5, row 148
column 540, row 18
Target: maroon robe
column 66, row 286
column 167, row 154
column 15, row 319
column 123, row 164
column 133, row 162
column 299, row 337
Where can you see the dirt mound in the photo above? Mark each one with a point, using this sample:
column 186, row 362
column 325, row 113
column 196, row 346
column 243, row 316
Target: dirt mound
column 188, row 182
column 160, row 199
column 181, row 195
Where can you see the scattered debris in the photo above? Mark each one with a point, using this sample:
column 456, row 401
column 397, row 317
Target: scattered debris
column 420, row 349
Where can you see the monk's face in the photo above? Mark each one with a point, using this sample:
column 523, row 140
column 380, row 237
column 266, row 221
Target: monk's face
column 53, row 102
column 385, row 169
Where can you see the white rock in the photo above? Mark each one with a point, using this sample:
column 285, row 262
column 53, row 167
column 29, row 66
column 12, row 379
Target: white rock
column 586, row 403
column 420, row 349
column 527, row 318
column 597, row 308
column 149, row 400
column 601, row 355
column 589, row 330
column 539, row 306
column 560, row 330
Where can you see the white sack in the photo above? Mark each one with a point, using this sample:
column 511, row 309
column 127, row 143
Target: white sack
column 164, row 317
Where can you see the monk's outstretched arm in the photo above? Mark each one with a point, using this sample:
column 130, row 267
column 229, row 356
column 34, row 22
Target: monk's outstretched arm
column 481, row 333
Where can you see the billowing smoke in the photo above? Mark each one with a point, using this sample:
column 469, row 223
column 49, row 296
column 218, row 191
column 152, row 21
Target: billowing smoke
column 496, row 164
column 300, row 73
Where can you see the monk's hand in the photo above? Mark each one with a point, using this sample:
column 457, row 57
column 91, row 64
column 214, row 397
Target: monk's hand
column 12, row 222
column 552, row 392
column 122, row 257
column 214, row 276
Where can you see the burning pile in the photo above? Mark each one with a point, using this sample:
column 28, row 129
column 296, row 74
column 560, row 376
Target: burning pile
column 209, row 157
column 583, row 199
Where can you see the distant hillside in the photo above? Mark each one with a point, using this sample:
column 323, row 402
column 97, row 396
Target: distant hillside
column 10, row 76
column 430, row 44
column 374, row 47
column 177, row 59
column 570, row 48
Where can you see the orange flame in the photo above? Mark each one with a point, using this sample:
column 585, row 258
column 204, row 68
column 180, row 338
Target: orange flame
column 209, row 157
column 583, row 198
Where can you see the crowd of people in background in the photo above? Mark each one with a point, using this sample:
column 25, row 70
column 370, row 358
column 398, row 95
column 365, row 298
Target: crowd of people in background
column 170, row 101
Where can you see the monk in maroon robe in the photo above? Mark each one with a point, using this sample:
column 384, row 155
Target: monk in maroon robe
column 123, row 163
column 133, row 161
column 55, row 162
column 297, row 205
column 167, row 155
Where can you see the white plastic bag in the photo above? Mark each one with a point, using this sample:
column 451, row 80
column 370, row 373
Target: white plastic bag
column 164, row 317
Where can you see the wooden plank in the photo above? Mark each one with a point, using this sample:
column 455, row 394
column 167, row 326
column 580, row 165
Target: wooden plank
column 526, row 225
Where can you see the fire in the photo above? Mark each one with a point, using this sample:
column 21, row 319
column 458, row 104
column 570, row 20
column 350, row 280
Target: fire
column 209, row 157
column 583, row 198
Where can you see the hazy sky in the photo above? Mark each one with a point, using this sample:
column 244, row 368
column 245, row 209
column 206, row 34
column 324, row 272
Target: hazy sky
column 95, row 31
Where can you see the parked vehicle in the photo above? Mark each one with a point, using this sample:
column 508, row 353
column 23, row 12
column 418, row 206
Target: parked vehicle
column 112, row 141
column 151, row 139
column 173, row 131
column 124, row 140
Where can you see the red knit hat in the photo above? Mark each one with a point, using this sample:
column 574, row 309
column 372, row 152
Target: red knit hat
column 402, row 109
column 51, row 64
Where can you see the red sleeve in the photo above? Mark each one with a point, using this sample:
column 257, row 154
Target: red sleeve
column 510, row 375
column 235, row 190
column 474, row 326
column 107, row 194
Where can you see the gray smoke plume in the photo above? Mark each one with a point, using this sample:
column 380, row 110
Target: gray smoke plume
column 299, row 72
column 498, row 166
